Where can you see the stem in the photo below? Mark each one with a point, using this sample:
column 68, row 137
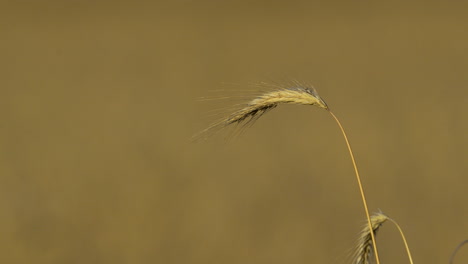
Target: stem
column 404, row 240
column 360, row 187
column 455, row 251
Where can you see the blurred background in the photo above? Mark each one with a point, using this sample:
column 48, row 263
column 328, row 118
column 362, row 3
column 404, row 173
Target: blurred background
column 99, row 100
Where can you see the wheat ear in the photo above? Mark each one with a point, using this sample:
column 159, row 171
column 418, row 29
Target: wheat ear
column 265, row 102
column 290, row 95
column 365, row 248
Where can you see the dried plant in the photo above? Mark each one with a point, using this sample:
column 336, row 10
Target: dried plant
column 297, row 94
column 307, row 95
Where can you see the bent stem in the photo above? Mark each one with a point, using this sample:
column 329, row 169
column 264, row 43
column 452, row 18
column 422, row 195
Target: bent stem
column 360, row 186
column 456, row 250
column 408, row 252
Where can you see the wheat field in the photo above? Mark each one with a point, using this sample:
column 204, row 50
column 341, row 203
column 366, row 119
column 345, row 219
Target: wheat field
column 99, row 101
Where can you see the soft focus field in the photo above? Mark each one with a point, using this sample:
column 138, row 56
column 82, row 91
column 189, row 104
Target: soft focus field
column 98, row 101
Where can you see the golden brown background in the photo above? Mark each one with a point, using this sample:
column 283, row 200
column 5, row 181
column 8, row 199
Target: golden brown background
column 98, row 102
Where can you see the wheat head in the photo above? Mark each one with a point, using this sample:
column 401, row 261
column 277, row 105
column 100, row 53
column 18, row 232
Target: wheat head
column 365, row 249
column 258, row 106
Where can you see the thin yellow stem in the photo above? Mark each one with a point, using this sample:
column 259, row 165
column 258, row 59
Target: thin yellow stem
column 360, row 186
column 404, row 239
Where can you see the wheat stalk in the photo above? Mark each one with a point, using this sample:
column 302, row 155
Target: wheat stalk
column 298, row 94
column 408, row 252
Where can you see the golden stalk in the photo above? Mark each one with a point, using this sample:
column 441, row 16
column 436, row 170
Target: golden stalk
column 361, row 189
